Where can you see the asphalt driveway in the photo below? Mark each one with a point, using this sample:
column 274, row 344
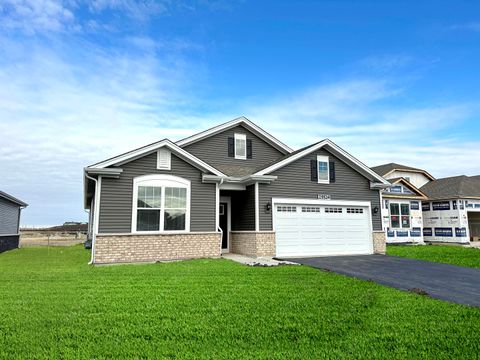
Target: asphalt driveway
column 442, row 281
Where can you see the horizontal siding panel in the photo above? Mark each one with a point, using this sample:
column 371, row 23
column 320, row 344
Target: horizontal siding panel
column 8, row 217
column 294, row 182
column 117, row 194
column 214, row 150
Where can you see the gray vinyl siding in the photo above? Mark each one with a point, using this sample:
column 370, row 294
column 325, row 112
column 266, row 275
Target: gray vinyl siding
column 294, row 182
column 9, row 216
column 214, row 151
column 117, row 194
column 243, row 208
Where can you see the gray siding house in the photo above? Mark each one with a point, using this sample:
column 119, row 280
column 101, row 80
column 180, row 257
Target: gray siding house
column 232, row 188
column 10, row 208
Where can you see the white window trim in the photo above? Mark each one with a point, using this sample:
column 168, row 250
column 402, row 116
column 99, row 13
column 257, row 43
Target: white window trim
column 323, row 158
column 169, row 159
column 240, row 137
column 160, row 180
column 400, row 215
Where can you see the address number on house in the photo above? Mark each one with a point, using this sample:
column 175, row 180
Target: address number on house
column 323, row 197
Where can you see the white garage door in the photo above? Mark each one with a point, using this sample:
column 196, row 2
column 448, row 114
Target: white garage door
column 316, row 230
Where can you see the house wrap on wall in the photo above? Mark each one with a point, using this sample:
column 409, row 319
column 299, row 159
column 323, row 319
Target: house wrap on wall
column 449, row 207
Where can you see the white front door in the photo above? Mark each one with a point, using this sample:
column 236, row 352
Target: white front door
column 317, row 230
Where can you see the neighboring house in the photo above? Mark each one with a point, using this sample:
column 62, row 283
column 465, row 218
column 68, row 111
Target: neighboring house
column 452, row 213
column 402, row 203
column 232, row 188
column 10, row 209
column 415, row 176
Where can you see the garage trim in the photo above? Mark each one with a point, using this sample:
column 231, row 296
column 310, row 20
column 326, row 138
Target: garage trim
column 300, row 201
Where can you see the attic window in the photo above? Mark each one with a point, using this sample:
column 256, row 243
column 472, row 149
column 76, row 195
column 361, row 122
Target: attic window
column 240, row 146
column 164, row 159
column 323, row 169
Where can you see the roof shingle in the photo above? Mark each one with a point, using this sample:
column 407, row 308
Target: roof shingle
column 453, row 187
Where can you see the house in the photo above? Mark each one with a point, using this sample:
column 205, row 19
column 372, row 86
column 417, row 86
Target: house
column 232, row 188
column 401, row 202
column 452, row 212
column 10, row 208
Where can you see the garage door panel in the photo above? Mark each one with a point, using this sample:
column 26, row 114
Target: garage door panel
column 306, row 230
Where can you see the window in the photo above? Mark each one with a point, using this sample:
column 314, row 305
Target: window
column 286, row 209
column 161, row 203
column 149, row 203
column 330, row 210
column 311, row 209
column 175, row 208
column 163, row 159
column 354, row 211
column 240, row 146
column 323, row 169
column 399, row 216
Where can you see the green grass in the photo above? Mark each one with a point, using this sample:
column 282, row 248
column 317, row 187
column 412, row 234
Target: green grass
column 455, row 255
column 53, row 305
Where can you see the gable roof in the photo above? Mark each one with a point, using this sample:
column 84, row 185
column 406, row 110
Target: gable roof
column 242, row 120
column 453, row 187
column 12, row 199
column 136, row 153
column 335, row 150
column 404, row 182
column 386, row 169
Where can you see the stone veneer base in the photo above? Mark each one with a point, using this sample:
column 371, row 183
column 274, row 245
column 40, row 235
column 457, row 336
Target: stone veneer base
column 253, row 243
column 379, row 242
column 130, row 248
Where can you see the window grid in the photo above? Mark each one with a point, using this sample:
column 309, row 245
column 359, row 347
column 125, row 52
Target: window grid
column 354, row 211
column 333, row 210
column 285, row 208
column 310, row 209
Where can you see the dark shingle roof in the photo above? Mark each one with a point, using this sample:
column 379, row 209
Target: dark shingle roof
column 236, row 170
column 386, row 168
column 453, row 187
column 12, row 199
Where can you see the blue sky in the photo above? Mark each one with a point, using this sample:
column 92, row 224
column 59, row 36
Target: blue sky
column 81, row 81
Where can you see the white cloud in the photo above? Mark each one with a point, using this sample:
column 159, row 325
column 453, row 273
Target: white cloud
column 139, row 10
column 36, row 15
column 64, row 106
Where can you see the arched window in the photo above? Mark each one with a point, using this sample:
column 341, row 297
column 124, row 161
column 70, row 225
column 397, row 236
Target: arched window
column 161, row 203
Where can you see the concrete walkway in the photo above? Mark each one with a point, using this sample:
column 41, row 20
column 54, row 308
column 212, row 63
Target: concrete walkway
column 259, row 261
column 442, row 281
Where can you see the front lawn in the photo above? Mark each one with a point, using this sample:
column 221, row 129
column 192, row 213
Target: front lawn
column 53, row 305
column 454, row 255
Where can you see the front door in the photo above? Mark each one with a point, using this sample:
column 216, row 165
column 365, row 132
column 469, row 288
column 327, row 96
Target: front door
column 224, row 224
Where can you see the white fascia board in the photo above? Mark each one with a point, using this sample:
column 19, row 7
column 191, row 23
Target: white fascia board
column 336, row 150
column 254, row 128
column 121, row 159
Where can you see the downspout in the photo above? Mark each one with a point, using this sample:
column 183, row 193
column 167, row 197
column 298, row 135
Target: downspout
column 94, row 235
column 218, row 205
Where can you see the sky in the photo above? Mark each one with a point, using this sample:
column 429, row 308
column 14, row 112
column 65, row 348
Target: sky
column 85, row 80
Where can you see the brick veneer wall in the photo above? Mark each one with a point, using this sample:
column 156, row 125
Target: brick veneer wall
column 8, row 242
column 150, row 248
column 379, row 242
column 252, row 243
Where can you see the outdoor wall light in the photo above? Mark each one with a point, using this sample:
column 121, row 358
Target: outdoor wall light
column 375, row 210
column 268, row 207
